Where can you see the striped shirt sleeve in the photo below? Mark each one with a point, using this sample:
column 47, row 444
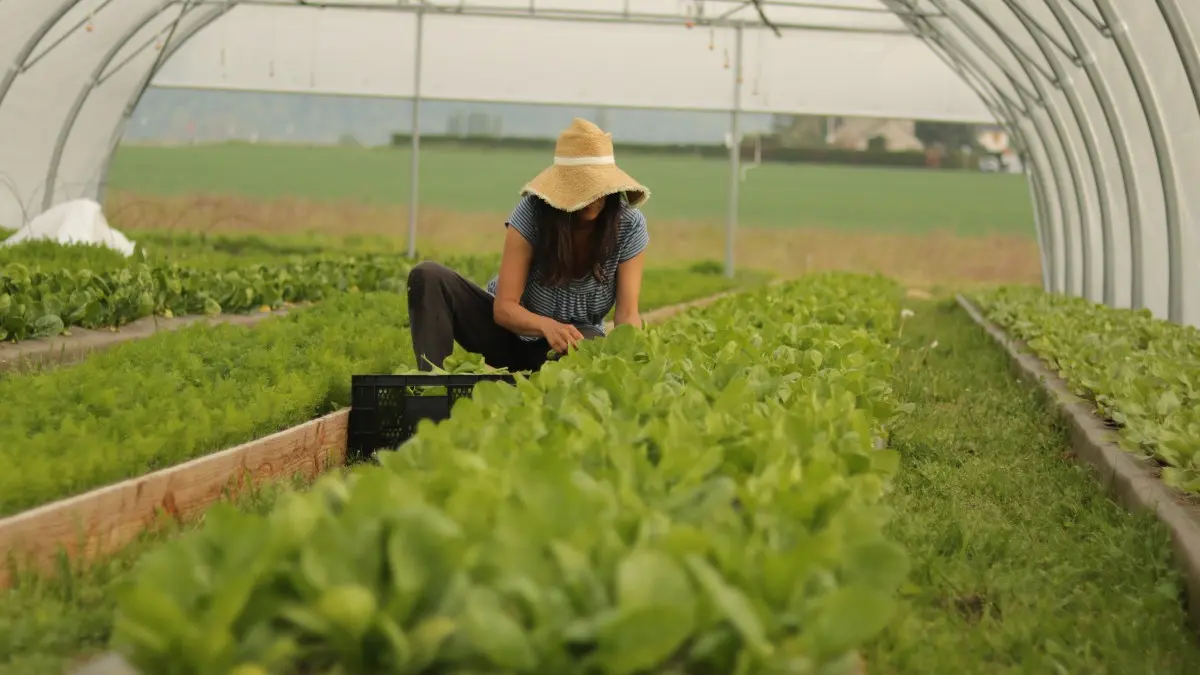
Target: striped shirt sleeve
column 635, row 236
column 524, row 219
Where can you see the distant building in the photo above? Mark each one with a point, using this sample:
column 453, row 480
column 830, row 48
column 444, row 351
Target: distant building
column 992, row 138
column 856, row 133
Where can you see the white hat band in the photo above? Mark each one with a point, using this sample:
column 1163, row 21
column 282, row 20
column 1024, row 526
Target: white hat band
column 585, row 161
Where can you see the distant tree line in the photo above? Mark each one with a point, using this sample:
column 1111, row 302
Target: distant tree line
column 791, row 139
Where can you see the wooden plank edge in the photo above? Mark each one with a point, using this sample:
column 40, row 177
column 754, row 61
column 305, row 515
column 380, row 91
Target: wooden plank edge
column 662, row 314
column 1131, row 482
column 666, row 312
column 104, row 520
column 82, row 342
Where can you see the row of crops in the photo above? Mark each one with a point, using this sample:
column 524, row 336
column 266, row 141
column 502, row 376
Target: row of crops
column 192, row 249
column 46, row 288
column 701, row 497
column 160, row 401
column 704, row 496
column 1141, row 373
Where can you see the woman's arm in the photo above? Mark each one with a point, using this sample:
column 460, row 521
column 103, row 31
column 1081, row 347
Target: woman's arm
column 510, row 286
column 629, row 289
column 514, row 272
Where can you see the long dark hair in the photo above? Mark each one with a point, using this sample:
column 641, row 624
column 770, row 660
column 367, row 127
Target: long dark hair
column 555, row 256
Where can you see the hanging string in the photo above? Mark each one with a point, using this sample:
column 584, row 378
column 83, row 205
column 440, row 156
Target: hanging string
column 762, row 59
column 758, row 48
column 274, row 47
column 312, row 50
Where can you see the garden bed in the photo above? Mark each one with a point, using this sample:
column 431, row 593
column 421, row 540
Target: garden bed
column 101, row 521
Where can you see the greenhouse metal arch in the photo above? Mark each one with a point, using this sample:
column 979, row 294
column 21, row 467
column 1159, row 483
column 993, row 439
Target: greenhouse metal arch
column 1101, row 97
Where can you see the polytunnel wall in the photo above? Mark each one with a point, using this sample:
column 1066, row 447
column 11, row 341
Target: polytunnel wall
column 1105, row 97
column 1101, row 96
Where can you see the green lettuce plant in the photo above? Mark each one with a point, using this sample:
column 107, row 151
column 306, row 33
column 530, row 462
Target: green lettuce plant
column 700, row 497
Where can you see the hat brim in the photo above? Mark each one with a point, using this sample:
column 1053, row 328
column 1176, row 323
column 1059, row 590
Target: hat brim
column 570, row 188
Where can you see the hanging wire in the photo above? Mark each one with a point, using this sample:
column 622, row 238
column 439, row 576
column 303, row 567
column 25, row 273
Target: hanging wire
column 684, row 9
column 758, row 48
column 312, row 51
column 274, row 48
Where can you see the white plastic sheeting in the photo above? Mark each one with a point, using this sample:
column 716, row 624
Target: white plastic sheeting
column 80, row 221
column 85, row 63
column 513, row 59
column 1103, row 95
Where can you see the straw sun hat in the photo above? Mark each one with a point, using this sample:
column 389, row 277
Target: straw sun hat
column 584, row 170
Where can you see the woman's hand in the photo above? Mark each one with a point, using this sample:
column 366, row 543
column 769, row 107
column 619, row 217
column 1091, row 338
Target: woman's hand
column 633, row 318
column 561, row 336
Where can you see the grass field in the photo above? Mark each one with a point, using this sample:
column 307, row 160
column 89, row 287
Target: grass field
column 475, row 181
column 924, row 228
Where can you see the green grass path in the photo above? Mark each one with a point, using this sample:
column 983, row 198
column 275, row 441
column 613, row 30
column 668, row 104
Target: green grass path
column 1020, row 563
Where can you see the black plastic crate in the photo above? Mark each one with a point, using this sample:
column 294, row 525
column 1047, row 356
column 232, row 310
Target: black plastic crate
column 384, row 414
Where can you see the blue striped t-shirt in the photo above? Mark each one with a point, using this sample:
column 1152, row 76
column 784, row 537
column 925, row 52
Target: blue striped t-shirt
column 581, row 302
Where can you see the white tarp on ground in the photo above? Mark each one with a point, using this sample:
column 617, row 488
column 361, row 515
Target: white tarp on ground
column 80, row 221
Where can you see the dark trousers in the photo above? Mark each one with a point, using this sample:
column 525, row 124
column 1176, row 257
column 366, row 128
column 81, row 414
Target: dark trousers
column 444, row 308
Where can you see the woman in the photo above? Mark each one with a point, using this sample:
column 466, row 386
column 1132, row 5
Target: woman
column 573, row 248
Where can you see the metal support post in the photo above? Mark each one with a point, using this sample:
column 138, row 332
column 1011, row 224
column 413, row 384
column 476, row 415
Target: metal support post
column 414, row 192
column 735, row 154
